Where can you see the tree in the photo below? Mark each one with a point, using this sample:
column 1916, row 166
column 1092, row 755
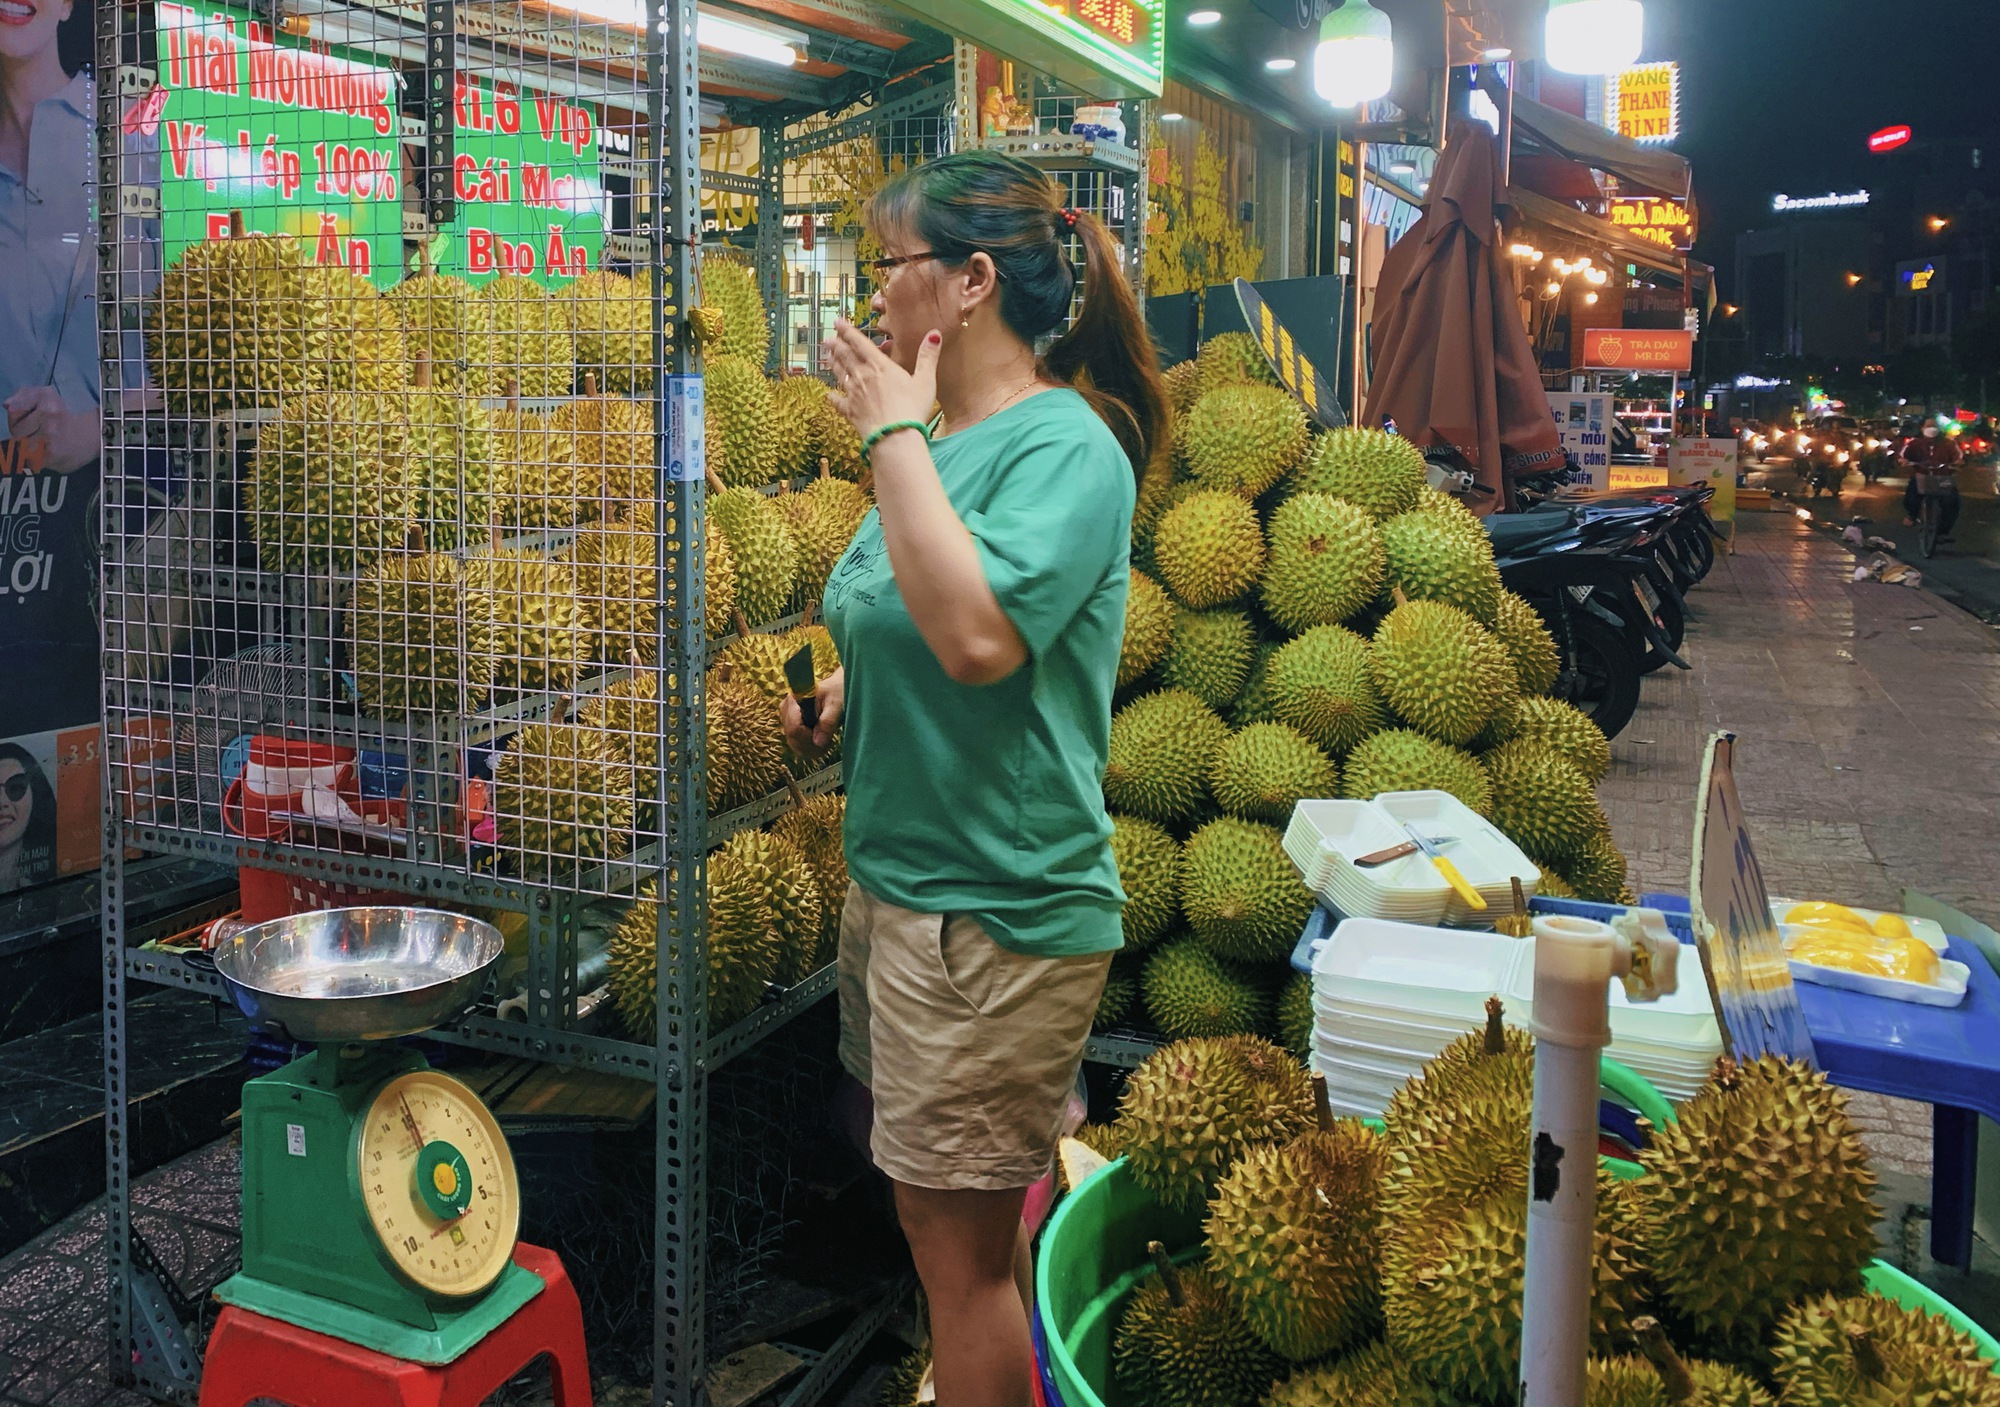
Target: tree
column 1193, row 238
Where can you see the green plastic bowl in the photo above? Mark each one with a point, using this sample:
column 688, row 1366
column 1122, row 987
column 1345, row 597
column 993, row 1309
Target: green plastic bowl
column 1093, row 1254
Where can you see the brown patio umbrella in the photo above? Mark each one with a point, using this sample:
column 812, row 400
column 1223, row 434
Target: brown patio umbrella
column 1453, row 365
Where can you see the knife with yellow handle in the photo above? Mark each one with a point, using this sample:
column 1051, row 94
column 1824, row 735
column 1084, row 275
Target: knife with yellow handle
column 1457, row 881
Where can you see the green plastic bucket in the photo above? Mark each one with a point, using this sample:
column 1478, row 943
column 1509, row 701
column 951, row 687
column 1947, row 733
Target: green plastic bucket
column 1093, row 1254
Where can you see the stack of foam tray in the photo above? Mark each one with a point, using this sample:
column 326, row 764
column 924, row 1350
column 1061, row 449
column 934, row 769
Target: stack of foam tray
column 1326, row 837
column 1389, row 996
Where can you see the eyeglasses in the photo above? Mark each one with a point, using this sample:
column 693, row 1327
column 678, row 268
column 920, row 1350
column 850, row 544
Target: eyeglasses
column 15, row 787
column 883, row 268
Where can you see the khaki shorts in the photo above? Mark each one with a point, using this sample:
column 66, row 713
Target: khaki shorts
column 969, row 1049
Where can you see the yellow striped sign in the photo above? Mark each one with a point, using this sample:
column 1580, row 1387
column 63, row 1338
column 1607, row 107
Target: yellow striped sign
column 1294, row 370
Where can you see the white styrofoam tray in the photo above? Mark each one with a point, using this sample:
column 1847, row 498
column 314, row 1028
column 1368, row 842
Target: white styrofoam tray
column 1948, row 990
column 1924, row 930
column 1487, row 859
column 1442, row 972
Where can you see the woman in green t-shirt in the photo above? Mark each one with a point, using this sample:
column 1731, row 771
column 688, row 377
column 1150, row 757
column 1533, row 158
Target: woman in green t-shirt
column 978, row 614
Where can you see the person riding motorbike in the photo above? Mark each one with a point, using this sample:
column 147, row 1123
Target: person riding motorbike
column 1932, row 453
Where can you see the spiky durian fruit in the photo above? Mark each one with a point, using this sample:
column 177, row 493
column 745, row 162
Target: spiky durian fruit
column 1400, row 760
column 1519, row 629
column 420, row 637
column 1191, row 992
column 825, row 654
column 1232, row 359
column 612, row 446
column 1765, row 1150
column 1209, row 549
column 1541, row 801
column 1439, row 670
column 1242, row 439
column 1149, row 871
column 736, row 422
column 1554, row 886
column 1322, row 685
column 561, row 794
column 450, row 466
column 1325, row 562
column 611, row 318
column 1242, row 896
column 758, row 660
column 1293, row 1233
column 618, row 588
column 794, row 402
column 1868, row 1351
column 534, row 470
column 1597, row 871
column 628, row 714
column 1161, row 747
column 539, row 633
column 216, row 329
column 1295, row 1019
column 767, row 559
column 903, row 1386
column 730, row 287
column 446, row 323
column 1192, row 1107
column 746, row 746
column 718, row 580
column 327, row 480
column 1448, row 509
column 1664, row 1379
column 1374, row 1376
column 1375, row 471
column 823, row 520
column 348, row 335
column 815, row 830
column 1265, row 769
column 742, row 943
column 531, row 340
column 1183, row 1343
column 1209, row 655
column 1149, row 628
column 1431, row 561
column 1182, row 384
column 1120, row 995
column 1564, row 729
column 1492, row 1065
column 1147, row 517
column 1253, row 701
column 791, row 890
column 835, row 440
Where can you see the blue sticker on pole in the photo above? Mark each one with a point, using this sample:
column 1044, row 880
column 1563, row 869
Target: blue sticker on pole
column 687, row 455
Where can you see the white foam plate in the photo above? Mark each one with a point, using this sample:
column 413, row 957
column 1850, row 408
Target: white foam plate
column 1949, row 990
column 1925, row 930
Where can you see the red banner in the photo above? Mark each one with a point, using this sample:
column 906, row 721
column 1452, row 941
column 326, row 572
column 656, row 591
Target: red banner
column 1629, row 349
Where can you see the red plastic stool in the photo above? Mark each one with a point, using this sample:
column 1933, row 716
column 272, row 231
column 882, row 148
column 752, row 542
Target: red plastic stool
column 250, row 1356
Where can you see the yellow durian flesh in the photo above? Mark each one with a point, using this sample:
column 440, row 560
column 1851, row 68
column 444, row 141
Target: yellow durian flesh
column 1903, row 959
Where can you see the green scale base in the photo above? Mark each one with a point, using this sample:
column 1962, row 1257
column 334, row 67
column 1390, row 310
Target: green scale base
column 457, row 1331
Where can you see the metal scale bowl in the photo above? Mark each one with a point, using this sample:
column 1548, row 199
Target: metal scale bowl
column 380, row 1202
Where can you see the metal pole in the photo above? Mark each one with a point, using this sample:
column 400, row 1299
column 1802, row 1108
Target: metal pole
column 1359, row 358
column 1506, row 72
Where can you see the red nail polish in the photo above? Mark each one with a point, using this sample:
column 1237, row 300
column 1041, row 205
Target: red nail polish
column 934, row 338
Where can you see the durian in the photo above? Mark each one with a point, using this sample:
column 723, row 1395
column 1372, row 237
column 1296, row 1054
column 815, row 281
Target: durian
column 1265, row 769
column 531, row 341
column 1295, row 1018
column 742, row 944
column 449, row 326
column 612, row 446
column 1149, row 628
column 539, row 633
column 1597, row 871
column 1120, row 995
column 1182, row 381
column 834, row 439
column 349, row 337
column 1520, row 630
column 1292, row 1231
column 792, row 893
column 1376, row 471
column 1242, row 896
column 1400, row 760
column 560, row 793
column 822, row 520
column 758, row 660
column 1231, row 359
column 1183, row 1343
column 1209, row 655
column 1439, row 670
column 534, row 470
column 767, row 559
column 814, row 828
column 450, row 464
column 1190, row 992
column 216, row 329
column 1209, row 549
column 1149, row 872
column 1253, row 701
column 1325, row 562
column 1564, row 729
column 1430, row 561
column 1322, row 684
column 1448, row 509
column 1374, row 1376
column 730, row 287
column 1492, row 1065
column 1242, row 439
column 902, row 1386
column 1665, row 1379
column 611, row 318
column 1869, row 1351
column 327, row 482
column 794, row 402
column 736, row 422
column 718, row 580
column 420, row 637
column 1191, row 1109
column 628, row 714
column 1160, row 751
column 618, row 588
column 746, row 746
column 1541, row 801
column 1759, row 1196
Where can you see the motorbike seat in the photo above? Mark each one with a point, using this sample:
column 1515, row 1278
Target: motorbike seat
column 1517, row 532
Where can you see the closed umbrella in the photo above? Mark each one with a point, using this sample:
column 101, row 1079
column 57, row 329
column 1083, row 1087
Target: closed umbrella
column 1453, row 365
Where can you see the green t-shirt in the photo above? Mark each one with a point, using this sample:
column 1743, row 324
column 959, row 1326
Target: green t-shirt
column 988, row 800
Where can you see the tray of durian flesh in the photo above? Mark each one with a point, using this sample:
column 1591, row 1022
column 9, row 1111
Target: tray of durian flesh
column 1866, row 950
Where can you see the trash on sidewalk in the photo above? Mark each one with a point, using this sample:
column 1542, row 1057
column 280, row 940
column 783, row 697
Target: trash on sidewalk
column 1884, row 568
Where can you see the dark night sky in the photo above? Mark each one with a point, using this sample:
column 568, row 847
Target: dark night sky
column 1780, row 95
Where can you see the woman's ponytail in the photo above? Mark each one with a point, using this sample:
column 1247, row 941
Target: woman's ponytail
column 1107, row 353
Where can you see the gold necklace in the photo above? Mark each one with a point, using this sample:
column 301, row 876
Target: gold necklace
column 1019, row 391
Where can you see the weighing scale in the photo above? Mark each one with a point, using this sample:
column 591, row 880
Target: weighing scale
column 380, row 1203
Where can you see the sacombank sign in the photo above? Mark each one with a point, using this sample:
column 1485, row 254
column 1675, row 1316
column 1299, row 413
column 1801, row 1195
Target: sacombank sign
column 1841, row 200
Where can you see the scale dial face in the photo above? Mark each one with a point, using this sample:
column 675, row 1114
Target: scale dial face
column 438, row 1184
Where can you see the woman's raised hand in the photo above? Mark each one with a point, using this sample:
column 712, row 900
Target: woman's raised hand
column 870, row 389
column 831, row 696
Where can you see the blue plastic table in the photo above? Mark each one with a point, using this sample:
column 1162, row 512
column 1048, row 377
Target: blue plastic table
column 1947, row 1057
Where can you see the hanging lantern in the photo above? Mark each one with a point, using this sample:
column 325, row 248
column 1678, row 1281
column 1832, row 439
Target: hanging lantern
column 1356, row 56
column 1594, row 36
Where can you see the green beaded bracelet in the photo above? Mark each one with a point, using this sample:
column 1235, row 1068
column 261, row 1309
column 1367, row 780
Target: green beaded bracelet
column 882, row 432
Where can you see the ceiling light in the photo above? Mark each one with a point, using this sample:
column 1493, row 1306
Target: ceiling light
column 1355, row 59
column 1494, row 56
column 1201, row 19
column 1594, row 36
column 750, row 41
column 1590, row 297
column 1402, row 168
column 1281, row 65
column 1170, row 117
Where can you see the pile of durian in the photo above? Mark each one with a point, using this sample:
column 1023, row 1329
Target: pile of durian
column 1309, row 618
column 1342, row 1266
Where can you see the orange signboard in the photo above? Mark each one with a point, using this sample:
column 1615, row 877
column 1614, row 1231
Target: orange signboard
column 1664, row 222
column 1631, row 349
column 1644, row 103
